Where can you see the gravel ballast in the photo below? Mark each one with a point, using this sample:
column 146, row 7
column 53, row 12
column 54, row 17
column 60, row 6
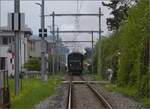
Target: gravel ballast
column 118, row 100
column 59, row 100
column 84, row 98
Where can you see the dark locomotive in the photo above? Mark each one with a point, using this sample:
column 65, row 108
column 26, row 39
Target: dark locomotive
column 75, row 63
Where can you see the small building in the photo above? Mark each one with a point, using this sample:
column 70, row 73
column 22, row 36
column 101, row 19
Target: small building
column 7, row 41
column 7, row 53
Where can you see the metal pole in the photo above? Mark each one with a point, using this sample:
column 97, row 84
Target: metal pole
column 43, row 47
column 92, row 52
column 99, row 51
column 57, row 49
column 53, row 27
column 99, row 23
column 17, row 51
column 0, row 14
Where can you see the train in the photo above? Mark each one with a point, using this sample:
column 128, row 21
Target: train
column 75, row 63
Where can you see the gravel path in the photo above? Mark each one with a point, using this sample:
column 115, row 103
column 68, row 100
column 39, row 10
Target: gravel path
column 83, row 98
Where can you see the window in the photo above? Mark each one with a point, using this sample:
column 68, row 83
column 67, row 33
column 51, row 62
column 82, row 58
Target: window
column 11, row 60
column 2, row 63
column 5, row 40
column 9, row 39
column 13, row 39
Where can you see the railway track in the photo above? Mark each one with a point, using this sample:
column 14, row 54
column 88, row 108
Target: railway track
column 85, row 96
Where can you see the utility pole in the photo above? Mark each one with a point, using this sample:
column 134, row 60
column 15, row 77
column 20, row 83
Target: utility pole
column 0, row 14
column 57, row 49
column 17, row 50
column 92, row 53
column 99, row 51
column 100, row 23
column 53, row 29
column 43, row 46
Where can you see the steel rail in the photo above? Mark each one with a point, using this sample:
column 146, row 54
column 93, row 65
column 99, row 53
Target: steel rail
column 92, row 88
column 69, row 104
column 98, row 95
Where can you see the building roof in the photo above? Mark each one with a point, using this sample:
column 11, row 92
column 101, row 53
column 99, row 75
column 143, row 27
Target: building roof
column 7, row 29
column 36, row 38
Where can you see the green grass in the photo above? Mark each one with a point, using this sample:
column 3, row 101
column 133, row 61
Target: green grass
column 33, row 91
column 146, row 101
column 95, row 77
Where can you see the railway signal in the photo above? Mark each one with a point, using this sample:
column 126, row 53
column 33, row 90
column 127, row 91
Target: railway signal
column 40, row 32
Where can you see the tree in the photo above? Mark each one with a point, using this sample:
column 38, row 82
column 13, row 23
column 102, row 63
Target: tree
column 119, row 12
column 127, row 51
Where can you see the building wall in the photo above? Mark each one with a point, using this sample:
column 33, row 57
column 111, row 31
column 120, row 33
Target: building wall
column 9, row 56
column 7, row 32
column 34, row 48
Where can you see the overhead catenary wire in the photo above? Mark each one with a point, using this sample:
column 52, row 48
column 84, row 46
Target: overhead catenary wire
column 58, row 0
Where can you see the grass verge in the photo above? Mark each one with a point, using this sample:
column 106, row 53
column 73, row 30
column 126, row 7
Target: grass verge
column 33, row 91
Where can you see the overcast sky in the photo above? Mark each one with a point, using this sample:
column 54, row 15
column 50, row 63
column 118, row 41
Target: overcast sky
column 32, row 13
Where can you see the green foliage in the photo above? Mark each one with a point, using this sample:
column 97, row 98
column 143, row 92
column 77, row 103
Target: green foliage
column 95, row 60
column 126, row 51
column 119, row 12
column 33, row 64
column 32, row 92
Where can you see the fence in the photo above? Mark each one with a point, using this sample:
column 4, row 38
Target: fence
column 32, row 74
column 4, row 89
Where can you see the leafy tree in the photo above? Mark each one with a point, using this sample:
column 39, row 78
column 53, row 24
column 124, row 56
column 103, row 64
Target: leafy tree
column 119, row 12
column 126, row 51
